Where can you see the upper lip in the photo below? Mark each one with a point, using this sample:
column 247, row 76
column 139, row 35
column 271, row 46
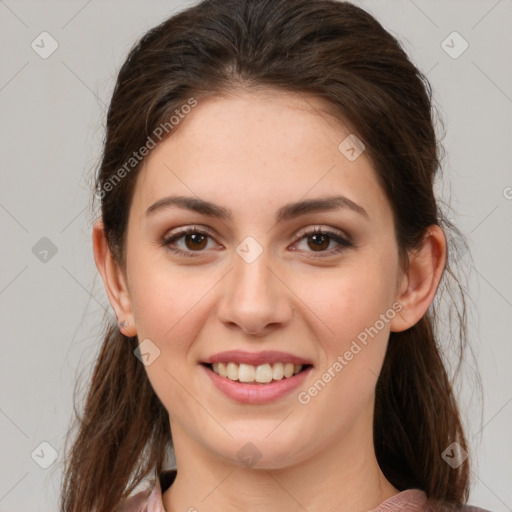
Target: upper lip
column 255, row 358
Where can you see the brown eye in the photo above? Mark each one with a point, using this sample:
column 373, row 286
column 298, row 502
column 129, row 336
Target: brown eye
column 196, row 241
column 193, row 239
column 319, row 240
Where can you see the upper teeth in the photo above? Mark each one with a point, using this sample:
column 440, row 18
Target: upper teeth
column 263, row 373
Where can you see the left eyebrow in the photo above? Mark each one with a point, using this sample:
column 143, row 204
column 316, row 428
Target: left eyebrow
column 287, row 212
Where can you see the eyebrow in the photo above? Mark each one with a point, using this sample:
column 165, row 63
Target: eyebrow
column 287, row 212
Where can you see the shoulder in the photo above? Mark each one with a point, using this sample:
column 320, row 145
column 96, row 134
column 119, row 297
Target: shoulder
column 444, row 507
column 437, row 506
column 148, row 500
column 410, row 500
column 415, row 500
column 136, row 503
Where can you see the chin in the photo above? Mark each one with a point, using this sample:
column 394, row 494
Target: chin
column 257, row 452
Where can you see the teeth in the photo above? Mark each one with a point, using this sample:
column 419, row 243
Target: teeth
column 232, row 371
column 222, row 370
column 246, row 373
column 277, row 371
column 262, row 374
column 288, row 370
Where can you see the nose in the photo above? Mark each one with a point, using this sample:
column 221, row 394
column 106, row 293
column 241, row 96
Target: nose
column 254, row 297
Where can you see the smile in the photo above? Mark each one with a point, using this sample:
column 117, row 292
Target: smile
column 261, row 374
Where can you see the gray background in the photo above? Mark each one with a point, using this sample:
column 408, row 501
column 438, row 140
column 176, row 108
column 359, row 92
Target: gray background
column 52, row 118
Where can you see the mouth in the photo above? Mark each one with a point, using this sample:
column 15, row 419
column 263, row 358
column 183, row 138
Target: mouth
column 263, row 374
column 256, row 378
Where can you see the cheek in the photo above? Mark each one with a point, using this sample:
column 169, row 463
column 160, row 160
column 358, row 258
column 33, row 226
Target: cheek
column 353, row 348
column 164, row 296
column 168, row 307
column 349, row 300
column 355, row 306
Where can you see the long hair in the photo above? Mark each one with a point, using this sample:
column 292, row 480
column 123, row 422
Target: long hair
column 332, row 50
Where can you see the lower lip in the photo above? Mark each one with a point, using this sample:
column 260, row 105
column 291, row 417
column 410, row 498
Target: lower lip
column 256, row 393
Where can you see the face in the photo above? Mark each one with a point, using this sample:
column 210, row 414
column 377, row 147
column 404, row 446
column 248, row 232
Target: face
column 252, row 280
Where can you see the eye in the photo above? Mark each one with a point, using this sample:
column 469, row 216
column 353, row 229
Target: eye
column 321, row 239
column 196, row 239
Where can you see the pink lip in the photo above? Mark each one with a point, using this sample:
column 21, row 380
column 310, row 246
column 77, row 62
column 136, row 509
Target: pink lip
column 255, row 358
column 256, row 393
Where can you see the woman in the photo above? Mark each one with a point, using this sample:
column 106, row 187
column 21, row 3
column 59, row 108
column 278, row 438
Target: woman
column 271, row 246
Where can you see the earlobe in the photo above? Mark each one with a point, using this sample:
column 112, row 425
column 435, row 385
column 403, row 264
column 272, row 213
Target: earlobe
column 421, row 280
column 114, row 280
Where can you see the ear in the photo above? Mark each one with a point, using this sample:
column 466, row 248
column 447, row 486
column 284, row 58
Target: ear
column 419, row 283
column 114, row 280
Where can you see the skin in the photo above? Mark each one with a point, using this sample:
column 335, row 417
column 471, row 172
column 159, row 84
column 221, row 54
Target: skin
column 253, row 152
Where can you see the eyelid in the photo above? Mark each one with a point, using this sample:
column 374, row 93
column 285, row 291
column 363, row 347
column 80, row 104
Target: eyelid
column 322, row 229
column 189, row 228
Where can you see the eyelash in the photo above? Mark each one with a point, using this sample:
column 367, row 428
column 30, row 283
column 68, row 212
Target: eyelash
column 167, row 241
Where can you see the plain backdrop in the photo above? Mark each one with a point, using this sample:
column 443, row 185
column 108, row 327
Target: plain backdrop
column 53, row 100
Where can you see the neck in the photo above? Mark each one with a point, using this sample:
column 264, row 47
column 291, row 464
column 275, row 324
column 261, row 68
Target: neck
column 343, row 478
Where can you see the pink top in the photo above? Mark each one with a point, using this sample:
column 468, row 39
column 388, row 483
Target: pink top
column 150, row 499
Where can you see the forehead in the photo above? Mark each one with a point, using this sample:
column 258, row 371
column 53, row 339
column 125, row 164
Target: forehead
column 258, row 150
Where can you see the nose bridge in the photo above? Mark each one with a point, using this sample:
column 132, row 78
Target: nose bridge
column 251, row 277
column 252, row 298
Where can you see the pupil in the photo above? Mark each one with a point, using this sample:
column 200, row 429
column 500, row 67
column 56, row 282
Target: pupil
column 320, row 245
column 192, row 238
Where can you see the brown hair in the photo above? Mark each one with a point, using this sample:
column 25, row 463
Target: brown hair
column 332, row 50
